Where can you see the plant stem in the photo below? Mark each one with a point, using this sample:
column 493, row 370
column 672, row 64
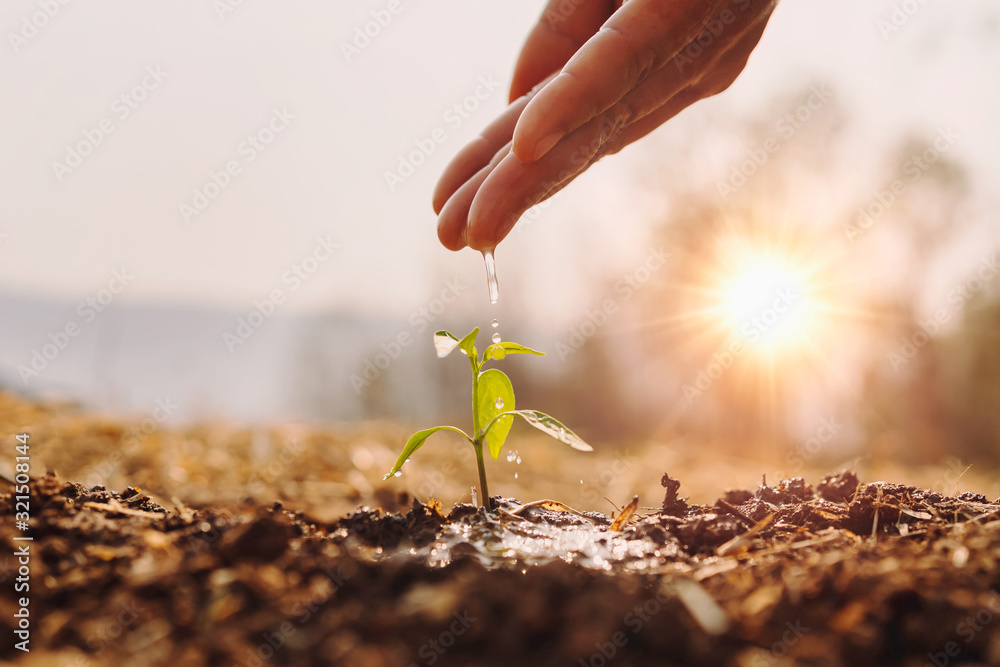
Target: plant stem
column 478, row 444
column 487, row 502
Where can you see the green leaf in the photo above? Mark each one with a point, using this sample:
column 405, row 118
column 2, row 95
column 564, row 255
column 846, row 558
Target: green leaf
column 416, row 441
column 444, row 343
column 468, row 344
column 495, row 385
column 555, row 428
column 500, row 350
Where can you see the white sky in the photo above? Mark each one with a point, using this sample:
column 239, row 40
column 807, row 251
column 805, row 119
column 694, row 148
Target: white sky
column 323, row 174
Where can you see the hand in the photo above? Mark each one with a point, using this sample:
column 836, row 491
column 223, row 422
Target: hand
column 593, row 76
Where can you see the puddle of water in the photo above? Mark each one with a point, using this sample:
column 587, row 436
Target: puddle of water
column 505, row 542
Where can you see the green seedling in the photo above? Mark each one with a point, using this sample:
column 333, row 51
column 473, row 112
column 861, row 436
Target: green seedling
column 492, row 406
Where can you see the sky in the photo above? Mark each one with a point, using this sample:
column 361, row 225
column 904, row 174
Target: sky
column 165, row 96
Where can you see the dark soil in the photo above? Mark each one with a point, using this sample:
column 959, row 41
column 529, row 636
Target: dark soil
column 841, row 573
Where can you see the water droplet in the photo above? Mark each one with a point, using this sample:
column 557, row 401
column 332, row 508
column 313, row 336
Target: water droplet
column 491, row 275
column 496, row 338
column 518, row 460
column 406, row 461
column 515, row 475
column 511, row 455
column 495, row 323
column 399, row 473
column 499, row 403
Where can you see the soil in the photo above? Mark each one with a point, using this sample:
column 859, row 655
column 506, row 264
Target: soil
column 159, row 543
column 839, row 573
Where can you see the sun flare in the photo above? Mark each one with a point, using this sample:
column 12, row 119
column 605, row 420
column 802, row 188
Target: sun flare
column 765, row 299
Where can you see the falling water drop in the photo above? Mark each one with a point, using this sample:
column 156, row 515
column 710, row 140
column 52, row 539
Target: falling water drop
column 515, row 475
column 491, row 275
column 495, row 323
column 499, row 403
column 496, row 337
column 511, row 455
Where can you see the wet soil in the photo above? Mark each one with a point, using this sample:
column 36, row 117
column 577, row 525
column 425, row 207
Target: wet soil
column 837, row 572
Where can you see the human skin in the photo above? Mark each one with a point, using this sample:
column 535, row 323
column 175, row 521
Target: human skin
column 593, row 76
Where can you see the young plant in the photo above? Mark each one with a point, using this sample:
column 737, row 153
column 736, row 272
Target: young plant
column 492, row 406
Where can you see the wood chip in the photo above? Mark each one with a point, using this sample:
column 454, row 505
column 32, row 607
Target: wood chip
column 702, row 606
column 742, row 542
column 625, row 515
column 116, row 507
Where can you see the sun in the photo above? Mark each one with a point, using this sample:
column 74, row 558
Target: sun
column 766, row 299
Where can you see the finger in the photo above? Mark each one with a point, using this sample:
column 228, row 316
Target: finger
column 453, row 220
column 477, row 153
column 563, row 28
column 682, row 86
column 635, row 42
column 482, row 149
column 650, row 122
column 512, row 187
column 454, row 216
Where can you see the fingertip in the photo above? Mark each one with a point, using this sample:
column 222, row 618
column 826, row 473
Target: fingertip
column 439, row 198
column 451, row 238
column 489, row 224
column 526, row 143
